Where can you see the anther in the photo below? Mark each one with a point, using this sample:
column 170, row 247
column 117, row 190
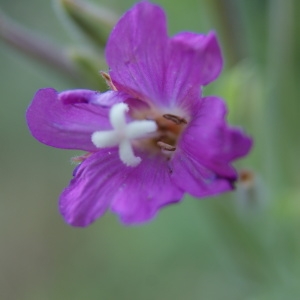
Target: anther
column 165, row 146
column 177, row 120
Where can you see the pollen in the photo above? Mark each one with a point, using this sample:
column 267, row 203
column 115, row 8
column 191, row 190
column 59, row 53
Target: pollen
column 123, row 134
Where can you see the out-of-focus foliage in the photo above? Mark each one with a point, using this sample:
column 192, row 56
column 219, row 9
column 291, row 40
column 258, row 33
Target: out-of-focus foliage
column 244, row 245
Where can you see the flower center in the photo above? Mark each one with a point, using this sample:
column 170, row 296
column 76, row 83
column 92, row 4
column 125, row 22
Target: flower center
column 150, row 132
column 123, row 133
column 169, row 128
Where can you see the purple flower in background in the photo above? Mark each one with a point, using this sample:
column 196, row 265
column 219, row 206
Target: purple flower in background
column 150, row 139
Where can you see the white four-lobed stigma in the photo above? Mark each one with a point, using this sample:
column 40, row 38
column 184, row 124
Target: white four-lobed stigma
column 123, row 133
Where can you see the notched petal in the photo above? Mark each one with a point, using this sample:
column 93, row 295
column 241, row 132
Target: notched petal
column 136, row 51
column 210, row 141
column 213, row 61
column 201, row 55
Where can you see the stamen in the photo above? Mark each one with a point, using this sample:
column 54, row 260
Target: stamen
column 122, row 134
column 165, row 146
column 175, row 119
column 81, row 158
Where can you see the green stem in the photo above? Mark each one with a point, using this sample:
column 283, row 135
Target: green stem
column 230, row 24
column 36, row 47
column 279, row 62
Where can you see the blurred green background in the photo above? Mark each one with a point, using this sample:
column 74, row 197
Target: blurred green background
column 243, row 245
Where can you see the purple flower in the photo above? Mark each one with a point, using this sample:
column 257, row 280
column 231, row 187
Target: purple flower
column 150, row 139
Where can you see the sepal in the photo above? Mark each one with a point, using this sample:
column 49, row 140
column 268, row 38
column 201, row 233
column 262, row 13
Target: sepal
column 89, row 66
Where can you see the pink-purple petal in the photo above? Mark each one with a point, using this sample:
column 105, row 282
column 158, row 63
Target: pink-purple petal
column 193, row 61
column 149, row 65
column 237, row 144
column 67, row 120
column 147, row 188
column 78, row 96
column 210, row 141
column 90, row 192
column 196, row 179
column 135, row 52
column 202, row 53
column 102, row 181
